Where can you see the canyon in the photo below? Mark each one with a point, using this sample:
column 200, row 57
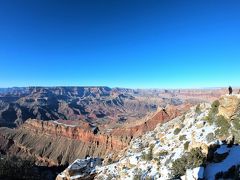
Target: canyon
column 102, row 105
column 55, row 126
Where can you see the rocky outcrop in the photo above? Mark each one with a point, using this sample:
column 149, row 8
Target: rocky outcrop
column 229, row 104
column 81, row 169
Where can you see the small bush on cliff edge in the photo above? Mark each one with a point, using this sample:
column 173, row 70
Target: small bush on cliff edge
column 186, row 144
column 236, row 123
column 198, row 109
column 182, row 137
column 176, row 131
column 137, row 174
column 189, row 160
column 235, row 129
column 223, row 126
column 148, row 156
column 215, row 106
column 212, row 113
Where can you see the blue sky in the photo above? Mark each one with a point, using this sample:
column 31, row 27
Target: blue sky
column 120, row 43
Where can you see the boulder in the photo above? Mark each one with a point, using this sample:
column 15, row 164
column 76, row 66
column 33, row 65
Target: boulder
column 81, row 169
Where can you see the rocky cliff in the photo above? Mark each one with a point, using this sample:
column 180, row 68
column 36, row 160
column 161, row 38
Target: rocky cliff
column 162, row 115
column 52, row 143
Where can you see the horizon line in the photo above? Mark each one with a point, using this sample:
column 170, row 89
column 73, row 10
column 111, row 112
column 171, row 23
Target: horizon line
column 120, row 87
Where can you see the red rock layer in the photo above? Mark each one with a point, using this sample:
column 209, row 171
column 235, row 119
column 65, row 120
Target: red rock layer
column 83, row 133
column 160, row 116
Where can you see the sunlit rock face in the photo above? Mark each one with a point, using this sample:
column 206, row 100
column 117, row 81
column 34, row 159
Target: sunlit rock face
column 229, row 104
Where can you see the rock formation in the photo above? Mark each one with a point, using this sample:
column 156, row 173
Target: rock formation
column 229, row 105
column 51, row 143
column 83, row 169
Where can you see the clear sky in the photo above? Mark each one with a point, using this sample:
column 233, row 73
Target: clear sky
column 120, row 43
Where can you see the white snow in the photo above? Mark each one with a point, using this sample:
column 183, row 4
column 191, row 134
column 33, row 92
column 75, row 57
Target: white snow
column 196, row 173
column 68, row 125
column 133, row 160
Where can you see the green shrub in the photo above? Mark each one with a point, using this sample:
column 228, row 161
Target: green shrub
column 189, row 160
column 210, row 137
column 186, row 144
column 195, row 158
column 215, row 106
column 235, row 128
column 148, row 156
column 176, row 131
column 183, row 117
column 209, row 118
column 137, row 177
column 162, row 153
column 137, row 174
column 236, row 123
column 179, row 167
column 109, row 161
column 223, row 126
column 198, row 110
column 144, row 156
column 148, row 178
column 212, row 112
column 182, row 137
